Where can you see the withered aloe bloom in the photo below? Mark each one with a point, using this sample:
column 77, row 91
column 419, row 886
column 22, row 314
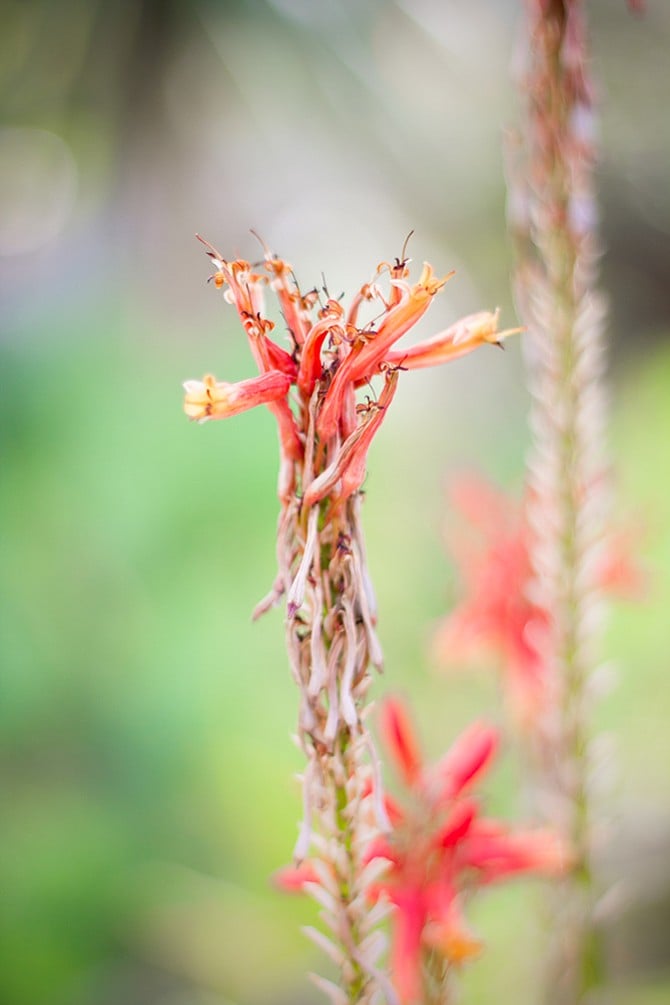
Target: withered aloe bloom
column 320, row 387
column 211, row 399
column 330, row 354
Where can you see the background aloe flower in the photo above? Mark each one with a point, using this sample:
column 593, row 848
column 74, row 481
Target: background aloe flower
column 498, row 615
column 440, row 849
column 325, row 433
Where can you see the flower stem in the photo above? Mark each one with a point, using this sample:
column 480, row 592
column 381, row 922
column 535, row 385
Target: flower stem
column 332, row 644
column 436, row 974
column 552, row 217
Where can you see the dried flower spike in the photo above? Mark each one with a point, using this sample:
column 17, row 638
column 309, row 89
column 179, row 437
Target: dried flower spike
column 325, row 432
column 553, row 220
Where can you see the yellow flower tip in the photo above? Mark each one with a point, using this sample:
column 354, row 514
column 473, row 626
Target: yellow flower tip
column 485, row 328
column 461, row 947
column 277, row 267
column 201, row 397
column 210, row 398
column 430, row 284
column 453, row 941
column 501, row 336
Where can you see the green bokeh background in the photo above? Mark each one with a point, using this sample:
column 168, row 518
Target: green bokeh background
column 147, row 763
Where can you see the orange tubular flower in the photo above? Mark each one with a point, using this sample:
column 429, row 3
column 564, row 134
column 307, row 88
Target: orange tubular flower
column 458, row 340
column 348, row 470
column 310, row 360
column 329, row 357
column 440, row 847
column 290, row 301
column 400, row 318
column 371, row 347
column 211, row 399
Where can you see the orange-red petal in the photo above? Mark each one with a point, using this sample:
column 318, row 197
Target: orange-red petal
column 211, row 399
column 401, row 741
column 468, row 758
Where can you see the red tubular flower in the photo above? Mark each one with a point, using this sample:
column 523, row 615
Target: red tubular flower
column 353, row 473
column 440, row 847
column 310, row 359
column 211, row 399
column 458, row 340
column 497, row 854
column 400, row 741
column 457, row 825
column 399, row 319
column 408, row 927
column 279, row 359
column 372, row 346
column 328, row 359
column 497, row 612
column 469, row 758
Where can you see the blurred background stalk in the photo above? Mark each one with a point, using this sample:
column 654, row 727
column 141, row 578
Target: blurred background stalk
column 553, row 217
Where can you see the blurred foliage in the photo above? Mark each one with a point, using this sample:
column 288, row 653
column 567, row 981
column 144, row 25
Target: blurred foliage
column 146, row 757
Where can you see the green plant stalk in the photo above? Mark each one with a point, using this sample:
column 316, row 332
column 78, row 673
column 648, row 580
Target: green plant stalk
column 552, row 219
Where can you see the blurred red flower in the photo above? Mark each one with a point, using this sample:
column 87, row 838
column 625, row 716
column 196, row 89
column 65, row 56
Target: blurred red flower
column 498, row 614
column 440, row 848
